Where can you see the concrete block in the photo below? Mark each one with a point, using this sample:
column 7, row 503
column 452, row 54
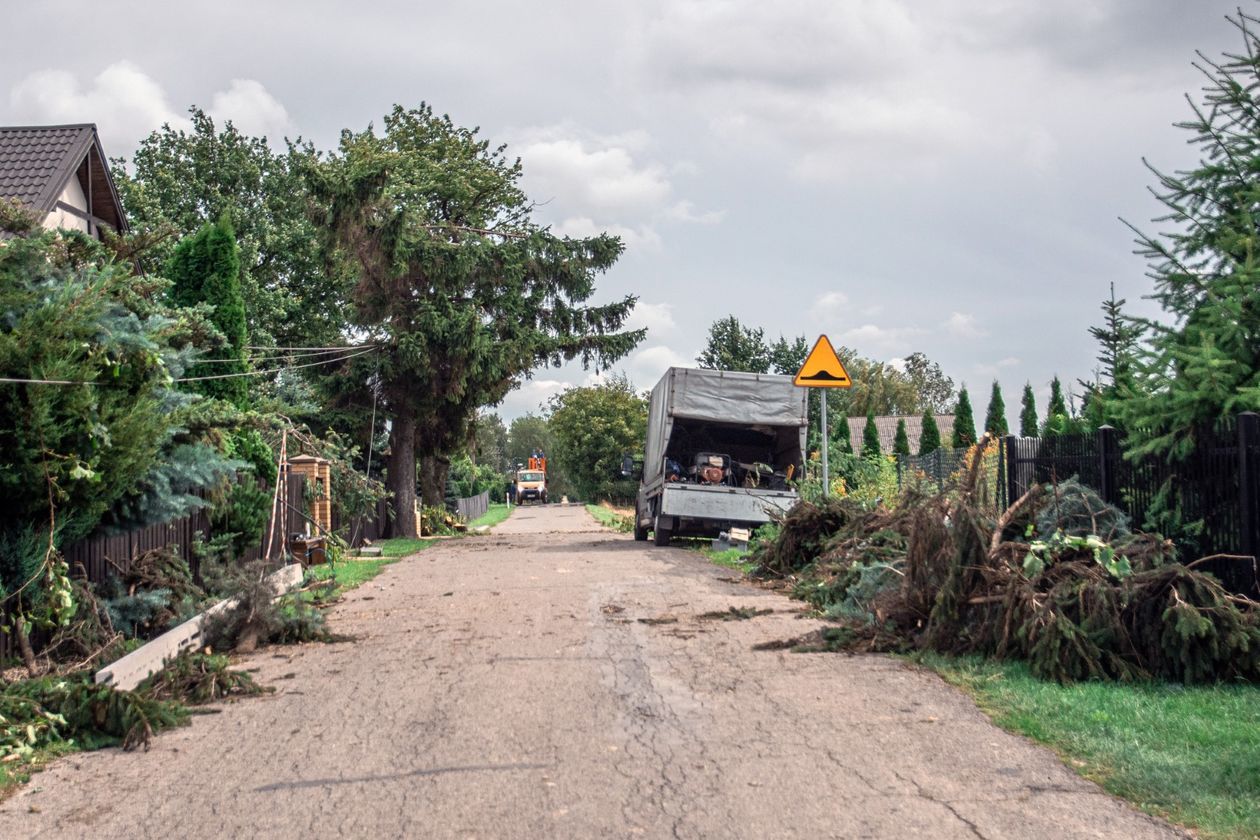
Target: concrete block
column 370, row 551
column 131, row 670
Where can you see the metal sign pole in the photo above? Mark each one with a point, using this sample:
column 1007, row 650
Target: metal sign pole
column 826, row 462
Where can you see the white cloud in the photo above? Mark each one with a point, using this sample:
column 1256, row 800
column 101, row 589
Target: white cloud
column 656, row 317
column 127, row 105
column 530, row 397
column 881, row 342
column 961, row 325
column 635, row 238
column 124, row 102
column 647, row 366
column 587, row 183
column 252, row 109
column 991, row 370
column 830, row 307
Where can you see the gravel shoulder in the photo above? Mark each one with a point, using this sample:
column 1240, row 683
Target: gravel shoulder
column 554, row 679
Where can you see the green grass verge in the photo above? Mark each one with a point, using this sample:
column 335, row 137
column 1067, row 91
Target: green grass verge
column 1187, row 753
column 731, row 558
column 611, row 519
column 356, row 571
column 496, row 514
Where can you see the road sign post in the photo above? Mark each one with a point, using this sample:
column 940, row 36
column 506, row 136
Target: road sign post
column 823, row 369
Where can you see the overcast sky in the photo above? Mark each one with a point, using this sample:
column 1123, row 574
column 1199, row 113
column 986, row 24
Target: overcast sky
column 942, row 177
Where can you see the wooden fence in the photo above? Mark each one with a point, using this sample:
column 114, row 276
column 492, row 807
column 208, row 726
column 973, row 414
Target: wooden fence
column 472, row 507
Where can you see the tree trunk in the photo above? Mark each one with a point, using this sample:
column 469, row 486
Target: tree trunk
column 433, row 472
column 24, row 644
column 401, row 478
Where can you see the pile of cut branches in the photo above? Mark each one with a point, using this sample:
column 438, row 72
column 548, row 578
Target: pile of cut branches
column 1059, row 580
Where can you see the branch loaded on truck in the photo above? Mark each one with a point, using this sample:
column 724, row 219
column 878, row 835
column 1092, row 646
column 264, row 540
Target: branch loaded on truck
column 722, row 448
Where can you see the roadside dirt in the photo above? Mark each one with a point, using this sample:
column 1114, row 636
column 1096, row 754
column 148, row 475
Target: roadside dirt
column 554, row 679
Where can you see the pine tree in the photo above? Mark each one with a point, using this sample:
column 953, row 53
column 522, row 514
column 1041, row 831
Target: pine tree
column 205, row 268
column 901, row 443
column 870, row 437
column 995, row 417
column 964, row 421
column 1057, row 414
column 1028, row 425
column 1202, row 360
column 929, row 434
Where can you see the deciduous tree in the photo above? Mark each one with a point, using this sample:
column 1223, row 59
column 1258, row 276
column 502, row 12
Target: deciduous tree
column 732, row 346
column 592, row 428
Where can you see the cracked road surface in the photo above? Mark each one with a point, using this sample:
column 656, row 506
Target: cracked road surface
column 508, row 686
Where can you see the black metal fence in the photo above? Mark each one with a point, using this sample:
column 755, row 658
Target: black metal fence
column 1213, row 491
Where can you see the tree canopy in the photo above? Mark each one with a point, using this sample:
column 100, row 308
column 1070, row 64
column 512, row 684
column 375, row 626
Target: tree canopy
column 733, row 346
column 592, row 428
column 459, row 292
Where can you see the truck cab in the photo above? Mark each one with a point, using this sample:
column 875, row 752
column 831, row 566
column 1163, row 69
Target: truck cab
column 531, row 482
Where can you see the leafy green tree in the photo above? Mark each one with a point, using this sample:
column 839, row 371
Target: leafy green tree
column 930, row 434
column 490, row 445
column 732, row 346
column 460, row 292
column 964, row 421
column 995, row 416
column 935, row 390
column 178, row 181
column 786, row 357
column 1028, row 425
column 204, row 269
column 901, row 443
column 870, row 437
column 592, row 429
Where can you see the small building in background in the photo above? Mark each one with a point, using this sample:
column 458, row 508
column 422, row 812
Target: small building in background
column 61, row 174
column 886, row 425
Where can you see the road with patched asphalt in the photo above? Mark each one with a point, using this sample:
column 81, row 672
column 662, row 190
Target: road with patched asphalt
column 552, row 679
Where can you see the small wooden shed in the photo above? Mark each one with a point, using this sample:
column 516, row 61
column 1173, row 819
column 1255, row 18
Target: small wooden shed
column 318, row 488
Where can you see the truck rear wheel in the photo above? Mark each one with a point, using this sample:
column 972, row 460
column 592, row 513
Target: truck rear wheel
column 660, row 536
column 640, row 533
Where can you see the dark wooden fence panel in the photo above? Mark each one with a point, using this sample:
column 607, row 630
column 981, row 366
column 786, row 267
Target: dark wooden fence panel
column 472, row 507
column 1217, row 486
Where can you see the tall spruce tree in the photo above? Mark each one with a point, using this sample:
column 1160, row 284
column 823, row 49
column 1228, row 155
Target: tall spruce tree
column 929, row 434
column 1202, row 359
column 205, row 268
column 461, row 293
column 1028, row 425
column 964, row 421
column 995, row 417
column 870, row 437
column 901, row 443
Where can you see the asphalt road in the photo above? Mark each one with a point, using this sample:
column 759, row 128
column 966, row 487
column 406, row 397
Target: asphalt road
column 554, row 680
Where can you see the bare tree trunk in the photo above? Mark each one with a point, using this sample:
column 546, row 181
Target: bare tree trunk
column 24, row 645
column 433, row 472
column 401, row 478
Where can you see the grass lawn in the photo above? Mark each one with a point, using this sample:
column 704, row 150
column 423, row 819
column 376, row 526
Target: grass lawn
column 731, row 558
column 1187, row 753
column 496, row 514
column 610, row 518
column 355, row 571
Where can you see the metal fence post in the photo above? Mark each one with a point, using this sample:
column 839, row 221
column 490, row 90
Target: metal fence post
column 1012, row 458
column 1107, row 448
column 1249, row 516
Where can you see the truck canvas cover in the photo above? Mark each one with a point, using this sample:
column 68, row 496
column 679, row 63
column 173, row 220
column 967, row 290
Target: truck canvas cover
column 727, row 397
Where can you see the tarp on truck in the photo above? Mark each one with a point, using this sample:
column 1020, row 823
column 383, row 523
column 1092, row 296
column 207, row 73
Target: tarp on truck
column 721, row 396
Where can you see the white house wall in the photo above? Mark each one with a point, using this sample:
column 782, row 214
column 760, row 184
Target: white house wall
column 72, row 195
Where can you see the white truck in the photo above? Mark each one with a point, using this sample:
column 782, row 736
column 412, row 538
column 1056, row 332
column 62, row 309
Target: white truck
column 722, row 449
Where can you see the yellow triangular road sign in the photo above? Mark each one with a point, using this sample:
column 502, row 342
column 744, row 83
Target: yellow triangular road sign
column 823, row 368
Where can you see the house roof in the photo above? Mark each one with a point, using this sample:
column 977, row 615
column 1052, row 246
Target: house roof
column 37, row 161
column 887, row 428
